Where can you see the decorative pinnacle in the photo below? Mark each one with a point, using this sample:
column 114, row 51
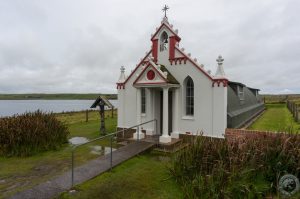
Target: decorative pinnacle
column 122, row 69
column 220, row 60
column 165, row 8
column 122, row 77
column 220, row 70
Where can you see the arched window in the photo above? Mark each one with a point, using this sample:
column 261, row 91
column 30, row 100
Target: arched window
column 143, row 100
column 164, row 41
column 189, row 96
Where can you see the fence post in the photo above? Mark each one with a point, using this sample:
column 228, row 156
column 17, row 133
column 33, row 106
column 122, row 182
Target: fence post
column 86, row 115
column 296, row 110
column 111, row 138
column 72, row 175
column 298, row 115
column 112, row 112
column 138, row 133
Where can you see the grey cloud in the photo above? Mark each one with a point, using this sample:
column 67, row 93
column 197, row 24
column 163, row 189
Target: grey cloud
column 75, row 46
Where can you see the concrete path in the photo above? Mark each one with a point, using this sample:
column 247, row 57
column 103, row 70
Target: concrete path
column 83, row 173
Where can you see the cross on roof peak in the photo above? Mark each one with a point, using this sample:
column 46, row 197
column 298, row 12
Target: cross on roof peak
column 165, row 9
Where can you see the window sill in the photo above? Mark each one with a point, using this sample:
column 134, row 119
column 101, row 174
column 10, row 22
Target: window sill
column 143, row 114
column 187, row 117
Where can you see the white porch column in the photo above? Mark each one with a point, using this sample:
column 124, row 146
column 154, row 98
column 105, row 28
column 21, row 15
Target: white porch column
column 138, row 134
column 175, row 133
column 165, row 138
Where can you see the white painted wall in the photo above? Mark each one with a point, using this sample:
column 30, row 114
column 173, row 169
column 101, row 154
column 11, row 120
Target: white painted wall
column 210, row 103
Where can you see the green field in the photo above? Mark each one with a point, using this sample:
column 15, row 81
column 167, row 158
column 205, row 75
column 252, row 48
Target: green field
column 58, row 96
column 20, row 173
column 276, row 118
column 279, row 98
column 145, row 176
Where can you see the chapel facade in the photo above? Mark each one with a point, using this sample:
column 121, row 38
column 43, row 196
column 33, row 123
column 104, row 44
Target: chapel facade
column 170, row 86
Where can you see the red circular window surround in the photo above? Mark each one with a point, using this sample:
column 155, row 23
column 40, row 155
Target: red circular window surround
column 150, row 74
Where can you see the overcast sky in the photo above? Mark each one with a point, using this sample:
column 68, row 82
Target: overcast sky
column 78, row 46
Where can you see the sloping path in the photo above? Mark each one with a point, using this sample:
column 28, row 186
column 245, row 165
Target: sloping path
column 83, row 173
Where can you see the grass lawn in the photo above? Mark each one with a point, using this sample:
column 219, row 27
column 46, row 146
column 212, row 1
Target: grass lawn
column 276, row 118
column 20, row 173
column 145, row 176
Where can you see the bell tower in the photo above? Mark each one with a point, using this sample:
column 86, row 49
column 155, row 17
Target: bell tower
column 164, row 40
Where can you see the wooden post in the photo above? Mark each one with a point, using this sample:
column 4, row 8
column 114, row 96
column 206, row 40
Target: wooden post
column 86, row 115
column 298, row 116
column 102, row 117
column 112, row 112
column 296, row 111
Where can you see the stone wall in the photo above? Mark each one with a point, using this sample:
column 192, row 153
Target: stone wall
column 242, row 134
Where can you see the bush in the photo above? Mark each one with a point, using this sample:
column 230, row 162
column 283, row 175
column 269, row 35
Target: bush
column 30, row 133
column 217, row 168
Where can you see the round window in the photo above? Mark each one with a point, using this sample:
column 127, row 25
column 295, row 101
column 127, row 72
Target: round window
column 150, row 75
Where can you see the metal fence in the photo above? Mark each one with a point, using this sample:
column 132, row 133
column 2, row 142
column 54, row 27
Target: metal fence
column 111, row 136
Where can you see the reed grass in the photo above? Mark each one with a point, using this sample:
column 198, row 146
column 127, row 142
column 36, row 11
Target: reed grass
column 30, row 133
column 219, row 168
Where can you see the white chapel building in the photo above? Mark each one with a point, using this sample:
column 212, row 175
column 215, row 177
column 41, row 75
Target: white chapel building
column 171, row 87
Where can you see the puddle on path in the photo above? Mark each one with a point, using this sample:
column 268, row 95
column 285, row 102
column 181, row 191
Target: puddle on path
column 78, row 140
column 100, row 150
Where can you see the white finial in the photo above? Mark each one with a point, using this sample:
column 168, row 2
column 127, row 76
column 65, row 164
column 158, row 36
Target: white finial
column 165, row 20
column 209, row 71
column 202, row 65
column 122, row 69
column 176, row 31
column 122, row 77
column 195, row 60
column 220, row 70
column 220, row 60
column 171, row 25
column 182, row 49
column 189, row 54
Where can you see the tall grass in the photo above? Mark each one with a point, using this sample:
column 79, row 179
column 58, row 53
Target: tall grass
column 30, row 133
column 218, row 168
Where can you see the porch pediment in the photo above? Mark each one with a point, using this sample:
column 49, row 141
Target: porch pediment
column 154, row 74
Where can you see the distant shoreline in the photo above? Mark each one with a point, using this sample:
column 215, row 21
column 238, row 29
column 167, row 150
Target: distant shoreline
column 55, row 96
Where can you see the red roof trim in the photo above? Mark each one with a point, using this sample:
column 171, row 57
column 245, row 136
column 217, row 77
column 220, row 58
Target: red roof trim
column 170, row 29
column 145, row 70
column 137, row 66
column 195, row 64
column 152, row 83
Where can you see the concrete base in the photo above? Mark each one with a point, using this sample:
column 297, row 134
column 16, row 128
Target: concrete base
column 139, row 135
column 165, row 139
column 175, row 135
column 149, row 132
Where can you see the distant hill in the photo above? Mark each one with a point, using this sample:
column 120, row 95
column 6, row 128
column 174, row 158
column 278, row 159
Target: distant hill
column 58, row 96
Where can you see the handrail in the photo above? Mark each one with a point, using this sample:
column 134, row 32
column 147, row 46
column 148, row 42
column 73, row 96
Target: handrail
column 111, row 134
column 105, row 136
